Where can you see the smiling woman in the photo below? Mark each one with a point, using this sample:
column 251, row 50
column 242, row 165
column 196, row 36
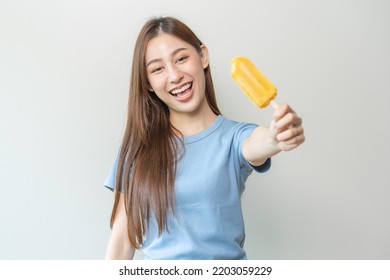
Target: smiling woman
column 175, row 72
column 167, row 200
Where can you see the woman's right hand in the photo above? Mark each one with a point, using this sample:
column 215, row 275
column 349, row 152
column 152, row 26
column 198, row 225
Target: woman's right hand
column 119, row 247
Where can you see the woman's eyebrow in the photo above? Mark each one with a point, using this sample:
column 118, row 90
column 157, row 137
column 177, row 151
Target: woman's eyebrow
column 172, row 54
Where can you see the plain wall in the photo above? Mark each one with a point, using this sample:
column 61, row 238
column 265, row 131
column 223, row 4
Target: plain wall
column 64, row 79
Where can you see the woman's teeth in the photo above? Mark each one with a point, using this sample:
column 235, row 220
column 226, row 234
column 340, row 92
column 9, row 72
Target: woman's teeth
column 175, row 92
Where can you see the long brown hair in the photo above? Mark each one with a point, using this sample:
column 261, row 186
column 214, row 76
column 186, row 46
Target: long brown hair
column 148, row 155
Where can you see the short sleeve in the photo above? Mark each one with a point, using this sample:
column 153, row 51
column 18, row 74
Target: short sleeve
column 264, row 167
column 243, row 131
column 110, row 180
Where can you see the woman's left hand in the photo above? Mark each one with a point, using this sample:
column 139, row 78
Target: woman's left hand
column 286, row 128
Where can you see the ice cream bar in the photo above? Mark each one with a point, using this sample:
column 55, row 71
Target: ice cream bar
column 255, row 85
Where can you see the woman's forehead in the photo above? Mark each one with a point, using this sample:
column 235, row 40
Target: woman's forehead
column 164, row 45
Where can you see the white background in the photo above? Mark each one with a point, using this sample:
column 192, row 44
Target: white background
column 64, row 79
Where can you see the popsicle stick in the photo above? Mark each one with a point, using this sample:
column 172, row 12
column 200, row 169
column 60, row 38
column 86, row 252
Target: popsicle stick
column 274, row 104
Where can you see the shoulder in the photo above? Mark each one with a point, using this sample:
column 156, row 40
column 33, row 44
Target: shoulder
column 236, row 128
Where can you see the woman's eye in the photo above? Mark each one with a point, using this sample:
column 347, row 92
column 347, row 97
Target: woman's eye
column 182, row 59
column 157, row 69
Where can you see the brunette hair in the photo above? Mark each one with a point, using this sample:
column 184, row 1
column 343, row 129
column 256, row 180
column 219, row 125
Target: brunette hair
column 150, row 147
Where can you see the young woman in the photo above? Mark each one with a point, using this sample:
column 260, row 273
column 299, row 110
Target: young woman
column 182, row 166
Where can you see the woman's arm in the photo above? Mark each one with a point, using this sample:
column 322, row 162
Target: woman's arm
column 284, row 134
column 118, row 247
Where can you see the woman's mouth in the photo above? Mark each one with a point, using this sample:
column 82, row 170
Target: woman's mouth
column 177, row 92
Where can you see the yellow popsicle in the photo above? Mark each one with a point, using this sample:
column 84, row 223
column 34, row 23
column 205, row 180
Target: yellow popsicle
column 254, row 84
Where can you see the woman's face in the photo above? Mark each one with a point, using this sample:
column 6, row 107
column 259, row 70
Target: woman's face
column 175, row 71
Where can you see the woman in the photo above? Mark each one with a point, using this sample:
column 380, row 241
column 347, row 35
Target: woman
column 182, row 167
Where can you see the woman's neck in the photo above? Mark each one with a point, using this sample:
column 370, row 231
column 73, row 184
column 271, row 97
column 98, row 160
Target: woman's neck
column 190, row 124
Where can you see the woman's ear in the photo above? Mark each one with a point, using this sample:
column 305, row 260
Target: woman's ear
column 204, row 55
column 150, row 89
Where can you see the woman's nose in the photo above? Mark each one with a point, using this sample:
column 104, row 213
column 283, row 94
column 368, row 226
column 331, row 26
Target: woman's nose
column 175, row 74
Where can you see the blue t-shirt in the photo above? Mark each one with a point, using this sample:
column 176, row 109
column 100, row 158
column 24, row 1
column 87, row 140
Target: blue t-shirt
column 208, row 222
